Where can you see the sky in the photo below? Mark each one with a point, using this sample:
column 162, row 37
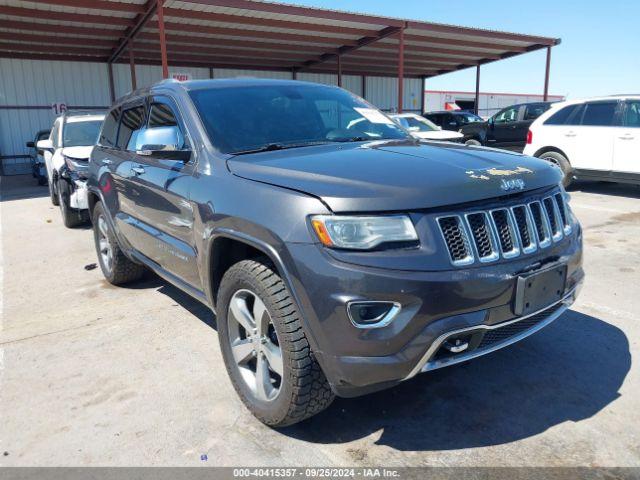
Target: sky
column 599, row 53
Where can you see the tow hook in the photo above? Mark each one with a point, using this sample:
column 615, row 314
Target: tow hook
column 456, row 345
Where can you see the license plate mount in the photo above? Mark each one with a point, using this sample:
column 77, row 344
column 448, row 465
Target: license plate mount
column 538, row 290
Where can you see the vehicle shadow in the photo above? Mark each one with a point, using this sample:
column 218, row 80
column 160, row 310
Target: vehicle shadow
column 606, row 188
column 567, row 372
column 21, row 187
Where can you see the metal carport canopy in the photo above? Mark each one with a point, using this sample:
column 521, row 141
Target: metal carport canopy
column 249, row 34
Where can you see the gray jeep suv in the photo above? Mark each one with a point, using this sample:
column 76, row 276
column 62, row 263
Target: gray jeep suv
column 340, row 255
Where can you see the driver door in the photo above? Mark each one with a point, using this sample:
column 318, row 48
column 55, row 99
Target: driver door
column 160, row 185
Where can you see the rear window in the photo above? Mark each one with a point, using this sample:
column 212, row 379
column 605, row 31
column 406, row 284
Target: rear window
column 561, row 116
column 110, row 129
column 531, row 112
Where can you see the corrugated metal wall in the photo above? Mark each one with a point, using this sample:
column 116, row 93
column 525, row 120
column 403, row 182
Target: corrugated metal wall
column 28, row 84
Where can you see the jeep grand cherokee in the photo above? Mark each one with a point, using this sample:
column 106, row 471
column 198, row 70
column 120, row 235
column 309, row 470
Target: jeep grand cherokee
column 341, row 256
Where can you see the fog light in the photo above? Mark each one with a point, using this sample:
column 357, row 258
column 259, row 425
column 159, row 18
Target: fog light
column 372, row 314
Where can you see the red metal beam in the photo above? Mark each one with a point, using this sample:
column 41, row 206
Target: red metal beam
column 53, row 40
column 34, row 48
column 63, row 16
column 476, row 108
column 345, row 49
column 52, row 56
column 97, row 5
column 231, row 52
column 47, row 27
column 136, row 25
column 438, row 28
column 301, row 11
column 546, row 75
column 400, row 69
column 267, row 22
column 163, row 40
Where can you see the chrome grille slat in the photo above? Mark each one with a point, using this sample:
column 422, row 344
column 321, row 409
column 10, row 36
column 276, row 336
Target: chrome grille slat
column 487, row 235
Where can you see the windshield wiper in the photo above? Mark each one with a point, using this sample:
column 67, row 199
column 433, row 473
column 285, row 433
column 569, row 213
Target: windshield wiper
column 352, row 139
column 269, row 147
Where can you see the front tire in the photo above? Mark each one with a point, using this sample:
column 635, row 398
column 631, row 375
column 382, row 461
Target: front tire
column 115, row 265
column 70, row 216
column 473, row 142
column 562, row 162
column 53, row 192
column 265, row 349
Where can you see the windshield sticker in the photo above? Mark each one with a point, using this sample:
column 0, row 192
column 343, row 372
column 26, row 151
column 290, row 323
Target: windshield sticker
column 374, row 116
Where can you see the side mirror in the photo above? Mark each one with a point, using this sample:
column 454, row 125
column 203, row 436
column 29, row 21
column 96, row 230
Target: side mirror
column 45, row 144
column 31, row 145
column 162, row 142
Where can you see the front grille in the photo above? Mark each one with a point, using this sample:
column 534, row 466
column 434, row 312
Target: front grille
column 508, row 232
column 456, row 239
column 500, row 334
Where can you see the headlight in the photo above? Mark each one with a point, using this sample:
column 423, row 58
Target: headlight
column 362, row 233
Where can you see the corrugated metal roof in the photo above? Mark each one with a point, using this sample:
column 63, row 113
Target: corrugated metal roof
column 251, row 33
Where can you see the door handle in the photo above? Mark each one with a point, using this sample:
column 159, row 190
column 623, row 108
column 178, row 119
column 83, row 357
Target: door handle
column 106, row 161
column 137, row 170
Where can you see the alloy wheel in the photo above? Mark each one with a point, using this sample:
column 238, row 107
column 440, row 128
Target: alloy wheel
column 104, row 245
column 254, row 345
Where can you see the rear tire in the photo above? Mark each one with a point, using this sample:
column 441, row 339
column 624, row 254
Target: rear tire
column 115, row 265
column 473, row 142
column 562, row 162
column 266, row 352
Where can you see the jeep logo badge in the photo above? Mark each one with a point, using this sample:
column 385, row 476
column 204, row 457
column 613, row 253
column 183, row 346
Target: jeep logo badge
column 512, row 184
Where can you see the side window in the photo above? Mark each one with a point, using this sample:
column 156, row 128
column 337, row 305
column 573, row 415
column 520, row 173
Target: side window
column 109, row 130
column 161, row 115
column 131, row 123
column 531, row 112
column 632, row 114
column 561, row 116
column 601, row 114
column 507, row 115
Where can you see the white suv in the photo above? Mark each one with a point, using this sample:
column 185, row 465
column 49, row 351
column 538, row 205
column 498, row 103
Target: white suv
column 66, row 154
column 593, row 139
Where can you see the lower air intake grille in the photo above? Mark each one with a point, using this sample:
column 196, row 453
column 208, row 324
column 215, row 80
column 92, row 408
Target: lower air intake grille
column 456, row 239
column 501, row 334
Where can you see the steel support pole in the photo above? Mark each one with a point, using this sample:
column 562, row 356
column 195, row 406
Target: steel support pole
column 112, row 90
column 422, row 94
column 339, row 71
column 400, row 69
column 546, row 75
column 132, row 67
column 364, row 87
column 163, row 40
column 476, row 108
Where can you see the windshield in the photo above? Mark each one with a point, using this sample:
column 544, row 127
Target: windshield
column 249, row 118
column 418, row 124
column 81, row 134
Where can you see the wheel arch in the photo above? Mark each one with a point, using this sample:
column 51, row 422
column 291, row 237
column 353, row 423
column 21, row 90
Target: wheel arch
column 548, row 149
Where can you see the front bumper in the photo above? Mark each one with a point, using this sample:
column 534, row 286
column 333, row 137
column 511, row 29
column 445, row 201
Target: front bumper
column 76, row 187
column 435, row 305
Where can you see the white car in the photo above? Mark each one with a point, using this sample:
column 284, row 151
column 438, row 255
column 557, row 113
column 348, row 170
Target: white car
column 425, row 129
column 592, row 139
column 66, row 155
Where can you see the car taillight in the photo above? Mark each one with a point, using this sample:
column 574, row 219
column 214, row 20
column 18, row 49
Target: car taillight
column 529, row 137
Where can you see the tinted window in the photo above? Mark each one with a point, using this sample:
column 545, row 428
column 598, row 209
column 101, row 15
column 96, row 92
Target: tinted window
column 437, row 119
column 599, row 114
column 110, row 129
column 531, row 112
column 561, row 116
column 466, row 118
column 80, row 133
column 161, row 115
column 507, row 115
column 239, row 119
column 632, row 114
column 420, row 124
column 130, row 125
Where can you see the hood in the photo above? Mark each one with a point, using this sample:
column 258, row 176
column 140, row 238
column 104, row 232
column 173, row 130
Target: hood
column 439, row 135
column 80, row 153
column 396, row 175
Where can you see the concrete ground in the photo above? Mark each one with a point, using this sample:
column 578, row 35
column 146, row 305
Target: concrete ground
column 98, row 375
